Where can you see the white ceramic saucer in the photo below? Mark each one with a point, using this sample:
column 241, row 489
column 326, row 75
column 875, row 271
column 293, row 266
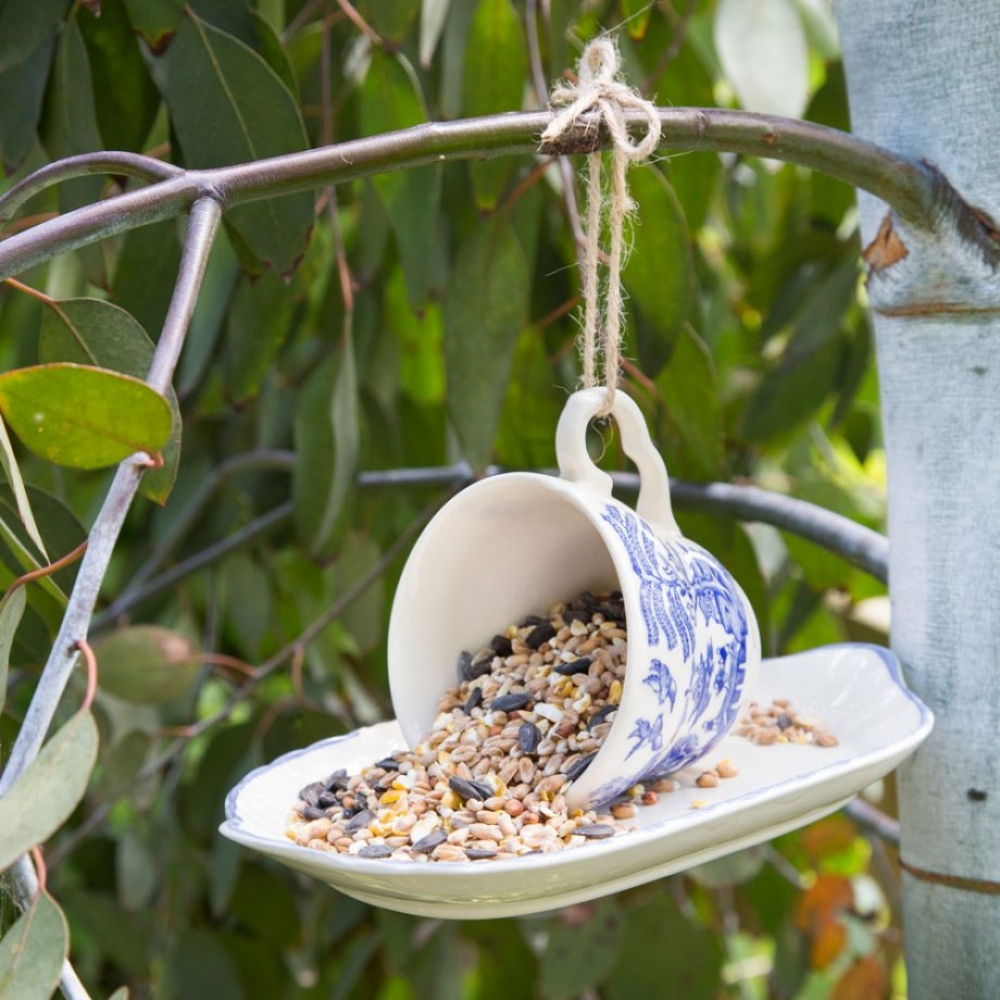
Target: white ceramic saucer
column 857, row 690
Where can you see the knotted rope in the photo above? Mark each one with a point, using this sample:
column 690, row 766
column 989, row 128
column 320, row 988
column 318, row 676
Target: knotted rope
column 599, row 89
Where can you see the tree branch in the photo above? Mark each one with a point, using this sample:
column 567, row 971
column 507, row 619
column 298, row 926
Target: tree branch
column 144, row 168
column 859, row 545
column 202, row 227
column 918, row 192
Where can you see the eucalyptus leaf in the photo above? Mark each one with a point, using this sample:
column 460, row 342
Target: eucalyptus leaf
column 763, row 50
column 146, row 664
column 579, row 955
column 228, row 106
column 496, row 63
column 19, row 119
column 81, row 416
column 32, row 952
column 659, row 275
column 48, row 790
column 155, row 20
column 433, row 15
column 11, row 612
column 26, row 26
column 8, row 460
column 483, row 315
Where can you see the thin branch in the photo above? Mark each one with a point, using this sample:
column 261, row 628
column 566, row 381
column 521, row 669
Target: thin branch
column 918, row 192
column 201, row 232
column 870, row 818
column 254, row 529
column 189, row 515
column 144, row 168
column 859, row 545
column 290, row 649
column 42, row 571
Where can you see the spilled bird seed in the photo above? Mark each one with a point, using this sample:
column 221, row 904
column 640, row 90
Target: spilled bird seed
column 479, row 786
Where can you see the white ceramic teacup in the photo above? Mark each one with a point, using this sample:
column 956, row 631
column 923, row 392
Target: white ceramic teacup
column 515, row 544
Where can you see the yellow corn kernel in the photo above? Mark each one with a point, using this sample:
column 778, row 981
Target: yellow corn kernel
column 615, row 693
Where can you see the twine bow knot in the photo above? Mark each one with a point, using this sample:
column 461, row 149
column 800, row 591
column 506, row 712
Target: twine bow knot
column 600, row 89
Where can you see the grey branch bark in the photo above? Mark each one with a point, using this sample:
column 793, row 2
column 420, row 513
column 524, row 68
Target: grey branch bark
column 917, row 191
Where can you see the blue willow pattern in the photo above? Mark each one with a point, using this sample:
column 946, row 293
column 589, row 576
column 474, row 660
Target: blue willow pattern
column 682, row 587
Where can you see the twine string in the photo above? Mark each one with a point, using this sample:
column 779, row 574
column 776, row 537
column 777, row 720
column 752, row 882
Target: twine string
column 600, row 90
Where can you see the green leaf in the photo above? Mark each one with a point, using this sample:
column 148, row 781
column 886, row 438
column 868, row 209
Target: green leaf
column 146, row 664
column 25, row 26
column 259, row 321
column 763, row 51
column 11, row 611
column 579, row 955
column 433, row 14
column 247, row 588
column 201, row 967
column 659, row 275
column 327, row 434
column 391, row 100
column 496, row 64
column 19, row 119
column 147, row 269
column 483, row 314
column 83, row 417
column 391, row 21
column 9, row 463
column 120, row 994
column 637, row 14
column 155, row 20
column 420, row 336
column 689, row 389
column 48, row 791
column 662, row 946
column 273, row 52
column 124, row 114
column 228, row 106
column 32, row 952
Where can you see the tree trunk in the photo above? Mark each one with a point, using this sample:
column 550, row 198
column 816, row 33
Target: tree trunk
column 923, row 79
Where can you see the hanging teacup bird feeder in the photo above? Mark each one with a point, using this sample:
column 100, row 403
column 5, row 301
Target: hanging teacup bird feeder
column 572, row 678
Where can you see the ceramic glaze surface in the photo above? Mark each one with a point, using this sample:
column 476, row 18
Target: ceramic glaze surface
column 697, row 633
column 856, row 690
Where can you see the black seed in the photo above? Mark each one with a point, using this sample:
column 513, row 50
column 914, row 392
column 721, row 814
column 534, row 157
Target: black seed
column 528, row 737
column 466, row 790
column 311, row 793
column 616, row 595
column 476, row 853
column 784, row 721
column 337, row 782
column 539, row 634
column 427, row 844
column 464, row 664
column 596, row 831
column 474, row 701
column 511, row 702
column 375, row 851
column 580, row 666
column 586, row 602
column 533, row 620
column 359, row 821
column 501, row 645
column 602, row 715
column 312, row 812
column 478, row 669
column 388, row 764
column 326, row 800
column 576, row 616
column 580, row 766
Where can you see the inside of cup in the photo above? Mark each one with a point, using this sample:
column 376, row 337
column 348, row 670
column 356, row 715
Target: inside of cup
column 503, row 549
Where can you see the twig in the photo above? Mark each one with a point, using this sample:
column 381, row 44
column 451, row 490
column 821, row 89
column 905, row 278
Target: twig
column 202, row 227
column 290, row 649
column 857, row 544
column 188, row 516
column 919, row 193
column 123, row 164
column 259, row 526
column 870, row 818
column 90, row 661
column 42, row 571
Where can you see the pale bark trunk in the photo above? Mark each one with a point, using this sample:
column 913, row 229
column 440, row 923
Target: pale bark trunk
column 924, row 79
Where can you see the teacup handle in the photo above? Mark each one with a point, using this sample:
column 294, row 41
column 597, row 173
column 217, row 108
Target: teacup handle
column 576, row 465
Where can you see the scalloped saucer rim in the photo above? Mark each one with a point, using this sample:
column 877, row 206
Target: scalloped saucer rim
column 856, row 688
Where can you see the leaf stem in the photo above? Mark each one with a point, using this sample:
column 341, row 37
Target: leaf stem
column 921, row 195
column 62, row 563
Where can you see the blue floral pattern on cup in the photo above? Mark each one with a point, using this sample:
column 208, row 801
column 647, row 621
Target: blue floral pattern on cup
column 692, row 611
